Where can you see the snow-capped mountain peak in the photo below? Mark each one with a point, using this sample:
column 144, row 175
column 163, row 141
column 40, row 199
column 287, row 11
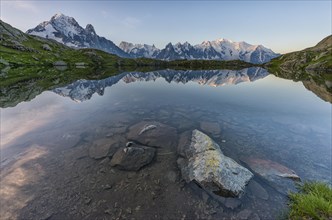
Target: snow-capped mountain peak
column 66, row 30
column 139, row 50
column 219, row 49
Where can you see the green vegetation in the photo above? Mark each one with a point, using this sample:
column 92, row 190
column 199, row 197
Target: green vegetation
column 312, row 66
column 313, row 201
column 20, row 49
column 317, row 58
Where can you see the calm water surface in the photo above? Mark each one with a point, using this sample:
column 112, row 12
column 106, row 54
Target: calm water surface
column 47, row 172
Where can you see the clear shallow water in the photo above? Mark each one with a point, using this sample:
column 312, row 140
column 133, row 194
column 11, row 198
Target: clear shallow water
column 45, row 142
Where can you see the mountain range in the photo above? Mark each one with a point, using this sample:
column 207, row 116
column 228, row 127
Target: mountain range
column 220, row 49
column 82, row 90
column 66, row 30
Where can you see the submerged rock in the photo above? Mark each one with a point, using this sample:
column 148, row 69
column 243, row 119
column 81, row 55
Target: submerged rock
column 153, row 134
column 278, row 176
column 133, row 157
column 106, row 147
column 270, row 169
column 205, row 164
column 210, row 127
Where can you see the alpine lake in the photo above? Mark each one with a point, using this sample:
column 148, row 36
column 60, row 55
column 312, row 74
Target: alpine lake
column 58, row 140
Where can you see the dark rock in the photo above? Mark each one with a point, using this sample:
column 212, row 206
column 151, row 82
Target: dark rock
column 133, row 157
column 106, row 146
column 153, row 134
column 184, row 141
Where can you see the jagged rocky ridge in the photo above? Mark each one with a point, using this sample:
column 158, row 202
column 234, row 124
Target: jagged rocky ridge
column 221, row 49
column 83, row 90
column 66, row 30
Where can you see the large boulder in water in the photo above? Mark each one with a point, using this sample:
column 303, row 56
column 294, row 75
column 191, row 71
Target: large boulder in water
column 153, row 134
column 205, row 164
column 133, row 157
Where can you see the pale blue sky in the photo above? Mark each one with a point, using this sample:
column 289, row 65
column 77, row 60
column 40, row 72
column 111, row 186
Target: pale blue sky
column 283, row 26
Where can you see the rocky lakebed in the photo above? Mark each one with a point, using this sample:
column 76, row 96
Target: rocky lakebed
column 148, row 169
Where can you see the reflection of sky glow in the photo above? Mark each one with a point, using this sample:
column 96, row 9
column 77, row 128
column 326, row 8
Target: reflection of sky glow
column 15, row 177
column 28, row 116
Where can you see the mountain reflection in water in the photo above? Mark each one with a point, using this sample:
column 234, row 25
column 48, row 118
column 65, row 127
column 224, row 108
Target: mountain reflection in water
column 82, row 90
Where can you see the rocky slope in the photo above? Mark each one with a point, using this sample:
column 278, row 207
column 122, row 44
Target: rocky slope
column 66, row 30
column 221, row 49
column 317, row 58
column 311, row 66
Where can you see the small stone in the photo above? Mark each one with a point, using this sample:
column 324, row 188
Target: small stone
column 87, row 200
column 60, row 63
column 46, row 47
column 128, row 210
column 107, row 187
column 129, row 143
column 108, row 211
column 232, row 203
column 244, row 214
column 137, row 208
column 172, row 176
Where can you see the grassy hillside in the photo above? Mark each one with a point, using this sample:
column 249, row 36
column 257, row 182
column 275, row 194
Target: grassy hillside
column 314, row 59
column 312, row 66
column 20, row 49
